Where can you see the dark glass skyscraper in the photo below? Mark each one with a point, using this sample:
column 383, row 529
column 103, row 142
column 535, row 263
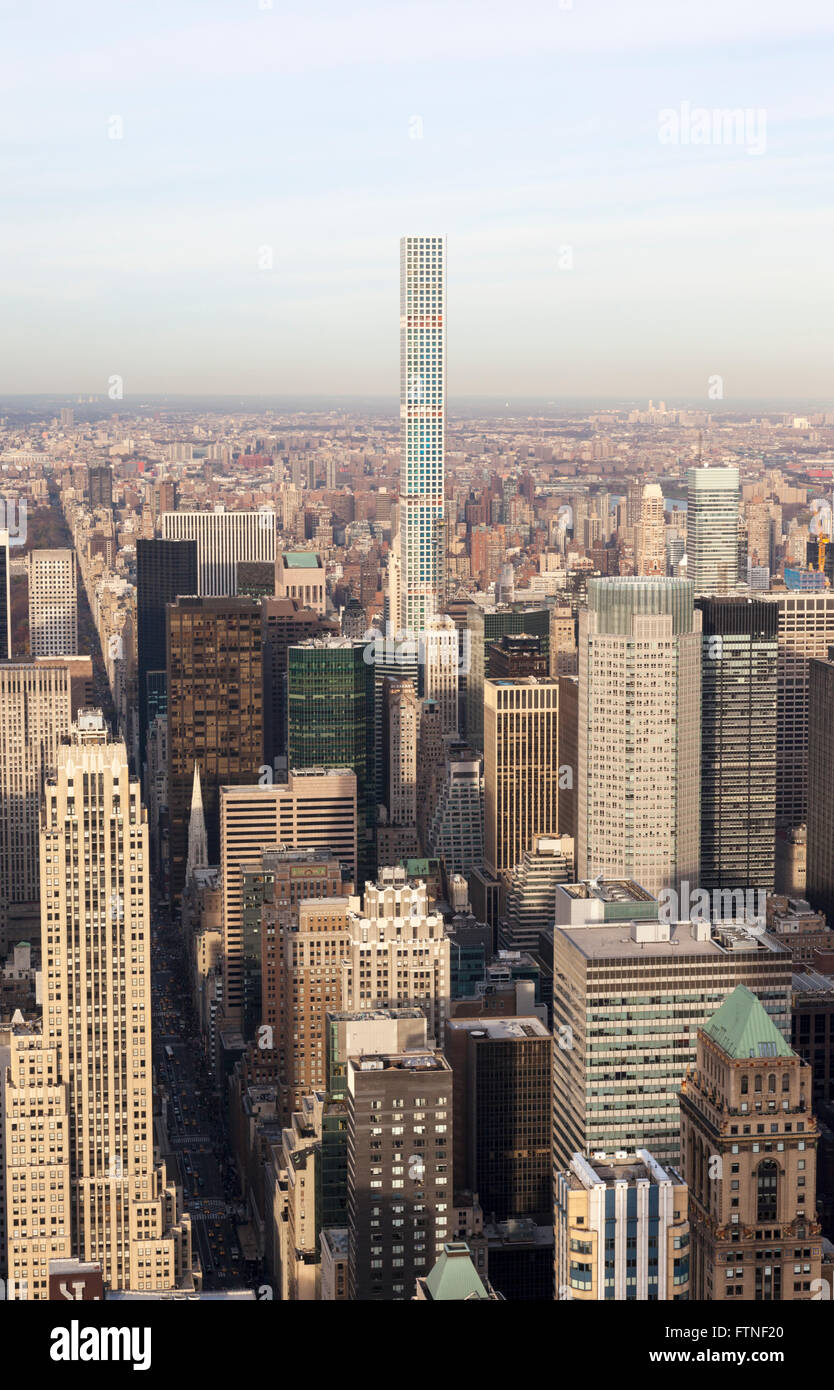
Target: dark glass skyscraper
column 738, row 743
column 330, row 712
column 164, row 570
column 215, row 711
column 285, row 623
column 820, row 877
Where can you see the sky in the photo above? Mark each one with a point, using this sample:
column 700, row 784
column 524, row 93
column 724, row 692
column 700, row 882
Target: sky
column 207, row 195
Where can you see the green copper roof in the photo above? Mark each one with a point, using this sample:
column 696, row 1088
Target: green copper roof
column 741, row 1028
column 454, row 1277
column 301, row 559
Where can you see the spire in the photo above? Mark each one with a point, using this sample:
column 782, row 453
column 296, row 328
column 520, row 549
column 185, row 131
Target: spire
column 197, row 839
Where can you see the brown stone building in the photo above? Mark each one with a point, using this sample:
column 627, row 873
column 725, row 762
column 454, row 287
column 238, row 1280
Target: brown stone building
column 748, row 1156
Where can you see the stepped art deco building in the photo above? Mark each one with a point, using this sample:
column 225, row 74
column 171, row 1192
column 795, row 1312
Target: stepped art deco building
column 89, row 1069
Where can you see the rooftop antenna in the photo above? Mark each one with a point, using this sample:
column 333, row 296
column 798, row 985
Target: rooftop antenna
column 700, row 444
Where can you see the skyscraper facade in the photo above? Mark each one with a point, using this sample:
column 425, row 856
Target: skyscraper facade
column 629, row 992
column 315, row 807
column 712, row 529
column 805, row 631
column 400, row 1181
column 121, row 1209
column 440, row 668
column 223, row 539
column 285, row 623
column 53, row 603
column 215, row 711
column 484, row 627
column 651, row 549
column 738, row 743
column 35, row 718
column 748, row 1154
column 639, row 745
column 423, row 416
column 501, row 1070
column 164, row 571
column 820, row 872
column 521, row 767
column 622, row 1230
column 330, row 722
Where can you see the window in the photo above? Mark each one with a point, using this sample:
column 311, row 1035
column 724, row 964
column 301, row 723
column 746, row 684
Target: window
column 766, row 1190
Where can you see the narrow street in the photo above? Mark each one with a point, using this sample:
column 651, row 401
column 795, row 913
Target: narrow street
column 195, row 1131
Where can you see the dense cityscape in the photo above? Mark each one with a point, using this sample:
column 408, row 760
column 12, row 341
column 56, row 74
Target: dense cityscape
column 412, row 835
column 416, row 675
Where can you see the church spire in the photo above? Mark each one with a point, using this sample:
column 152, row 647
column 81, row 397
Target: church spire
column 197, row 838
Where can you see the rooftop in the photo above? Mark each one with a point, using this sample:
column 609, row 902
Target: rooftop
column 619, row 1167
column 454, row 1277
column 499, row 1029
column 742, row 1029
column 610, row 940
column 301, row 560
column 399, row 1061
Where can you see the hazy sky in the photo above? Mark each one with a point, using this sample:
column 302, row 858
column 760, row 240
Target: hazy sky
column 292, row 127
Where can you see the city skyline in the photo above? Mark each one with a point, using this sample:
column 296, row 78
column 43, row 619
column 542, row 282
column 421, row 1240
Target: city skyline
column 416, row 858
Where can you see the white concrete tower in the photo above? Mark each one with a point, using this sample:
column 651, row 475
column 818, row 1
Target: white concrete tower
column 423, row 416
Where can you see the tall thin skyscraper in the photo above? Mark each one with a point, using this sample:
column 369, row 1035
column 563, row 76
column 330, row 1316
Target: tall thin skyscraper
column 5, row 598
column 820, row 876
column 121, row 1209
column 738, row 743
column 638, row 813
column 712, row 529
column 164, row 570
column 423, row 416
column 53, row 603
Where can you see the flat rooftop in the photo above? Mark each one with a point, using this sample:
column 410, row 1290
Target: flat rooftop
column 500, row 1029
column 605, row 940
column 400, row 1061
column 641, row 1166
column 608, row 890
column 301, row 560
